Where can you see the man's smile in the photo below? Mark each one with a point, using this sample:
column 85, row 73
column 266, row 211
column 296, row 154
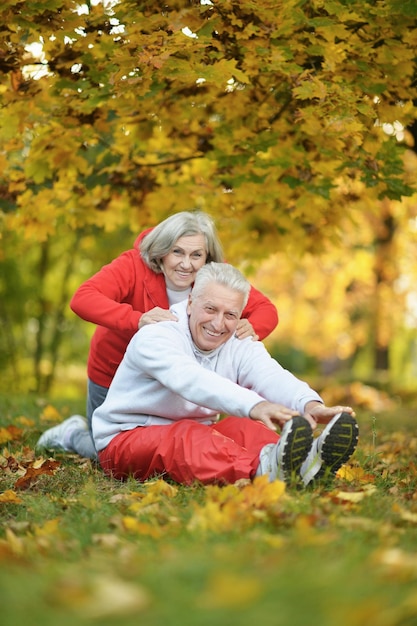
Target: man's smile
column 212, row 333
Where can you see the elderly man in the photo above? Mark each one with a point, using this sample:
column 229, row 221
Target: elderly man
column 161, row 414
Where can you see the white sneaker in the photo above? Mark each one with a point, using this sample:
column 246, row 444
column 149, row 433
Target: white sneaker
column 282, row 461
column 58, row 436
column 331, row 449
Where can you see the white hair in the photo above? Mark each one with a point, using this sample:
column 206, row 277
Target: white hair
column 222, row 274
column 159, row 242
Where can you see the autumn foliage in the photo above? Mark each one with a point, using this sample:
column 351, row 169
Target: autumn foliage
column 292, row 123
column 265, row 114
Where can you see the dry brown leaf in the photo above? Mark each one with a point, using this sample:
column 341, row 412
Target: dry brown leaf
column 10, row 433
column 48, row 467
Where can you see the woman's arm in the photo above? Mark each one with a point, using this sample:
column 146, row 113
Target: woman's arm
column 261, row 313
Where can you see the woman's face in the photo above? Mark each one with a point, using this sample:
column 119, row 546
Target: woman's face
column 183, row 261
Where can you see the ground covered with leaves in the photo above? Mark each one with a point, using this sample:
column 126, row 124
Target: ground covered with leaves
column 76, row 547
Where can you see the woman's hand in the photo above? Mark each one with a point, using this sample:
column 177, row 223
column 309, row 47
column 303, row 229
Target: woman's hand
column 157, row 315
column 245, row 329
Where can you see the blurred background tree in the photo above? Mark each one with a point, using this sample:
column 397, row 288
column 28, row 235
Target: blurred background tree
column 291, row 123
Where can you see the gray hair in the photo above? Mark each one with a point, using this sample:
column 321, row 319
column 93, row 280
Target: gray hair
column 159, row 242
column 222, row 274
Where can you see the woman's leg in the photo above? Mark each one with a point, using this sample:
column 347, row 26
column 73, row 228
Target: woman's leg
column 74, row 434
column 81, row 440
column 96, row 394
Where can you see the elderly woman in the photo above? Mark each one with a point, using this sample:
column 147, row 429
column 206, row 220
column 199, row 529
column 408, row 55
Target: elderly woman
column 135, row 289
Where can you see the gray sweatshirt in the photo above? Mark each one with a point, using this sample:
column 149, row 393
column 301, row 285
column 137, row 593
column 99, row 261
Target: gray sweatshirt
column 164, row 377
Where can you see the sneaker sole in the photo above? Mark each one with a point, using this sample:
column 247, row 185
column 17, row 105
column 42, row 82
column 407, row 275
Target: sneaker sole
column 296, row 445
column 339, row 445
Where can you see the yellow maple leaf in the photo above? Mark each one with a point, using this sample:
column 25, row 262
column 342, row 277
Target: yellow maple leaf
column 141, row 528
column 211, row 516
column 10, row 497
column 263, row 493
column 13, row 542
column 355, row 496
column 161, row 487
column 25, row 421
column 351, row 473
column 236, row 506
column 50, row 414
column 51, row 527
column 5, row 435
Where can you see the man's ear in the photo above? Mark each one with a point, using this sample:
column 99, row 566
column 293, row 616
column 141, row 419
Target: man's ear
column 189, row 304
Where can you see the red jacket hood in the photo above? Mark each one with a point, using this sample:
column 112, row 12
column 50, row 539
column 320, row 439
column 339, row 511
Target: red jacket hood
column 140, row 237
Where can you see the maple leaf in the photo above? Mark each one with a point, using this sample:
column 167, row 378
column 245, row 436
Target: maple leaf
column 26, row 422
column 10, row 433
column 161, row 488
column 352, row 473
column 50, row 414
column 10, row 497
column 48, row 467
column 11, row 544
column 236, row 506
column 141, row 528
column 354, row 496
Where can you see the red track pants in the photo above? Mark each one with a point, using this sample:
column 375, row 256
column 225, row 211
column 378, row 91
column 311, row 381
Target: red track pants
column 186, row 451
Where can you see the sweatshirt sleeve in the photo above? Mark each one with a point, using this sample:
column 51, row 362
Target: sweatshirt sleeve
column 263, row 374
column 104, row 298
column 261, row 313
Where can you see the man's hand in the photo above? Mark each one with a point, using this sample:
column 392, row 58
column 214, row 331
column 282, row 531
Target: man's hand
column 271, row 414
column 245, row 329
column 157, row 315
column 318, row 413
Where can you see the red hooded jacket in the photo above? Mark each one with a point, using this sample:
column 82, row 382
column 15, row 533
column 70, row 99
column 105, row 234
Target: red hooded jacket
column 119, row 293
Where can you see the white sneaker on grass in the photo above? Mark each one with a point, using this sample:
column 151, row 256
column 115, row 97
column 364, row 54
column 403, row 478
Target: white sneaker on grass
column 58, row 436
column 283, row 460
column 332, row 449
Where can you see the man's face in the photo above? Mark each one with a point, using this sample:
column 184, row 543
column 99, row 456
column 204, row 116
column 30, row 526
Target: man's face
column 213, row 315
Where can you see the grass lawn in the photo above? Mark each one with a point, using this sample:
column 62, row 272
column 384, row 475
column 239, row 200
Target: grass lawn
column 78, row 548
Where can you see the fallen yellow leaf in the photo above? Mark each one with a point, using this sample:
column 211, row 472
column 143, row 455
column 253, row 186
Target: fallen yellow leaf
column 27, row 422
column 5, row 435
column 354, row 473
column 10, row 497
column 141, row 528
column 355, row 496
column 50, row 414
column 51, row 527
